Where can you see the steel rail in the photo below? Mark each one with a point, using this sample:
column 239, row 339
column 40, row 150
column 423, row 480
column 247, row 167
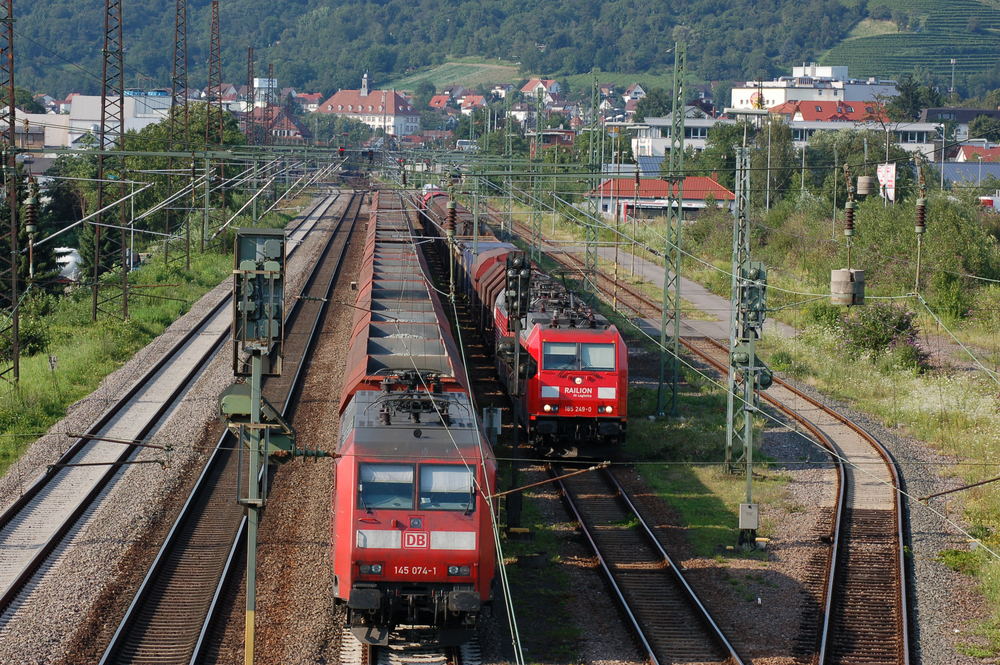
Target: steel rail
column 217, row 465
column 687, row 595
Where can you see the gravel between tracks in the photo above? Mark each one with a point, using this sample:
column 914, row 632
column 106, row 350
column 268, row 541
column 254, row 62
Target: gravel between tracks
column 296, row 619
column 70, row 614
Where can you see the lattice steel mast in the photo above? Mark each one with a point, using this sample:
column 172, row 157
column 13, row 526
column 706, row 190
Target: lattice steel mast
column 671, row 316
column 248, row 119
column 214, row 116
column 595, row 162
column 8, row 264
column 112, row 133
column 178, row 130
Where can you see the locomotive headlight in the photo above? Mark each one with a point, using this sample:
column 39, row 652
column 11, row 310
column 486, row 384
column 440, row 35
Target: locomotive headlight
column 578, row 380
column 371, row 568
column 609, row 409
column 547, row 408
column 459, row 571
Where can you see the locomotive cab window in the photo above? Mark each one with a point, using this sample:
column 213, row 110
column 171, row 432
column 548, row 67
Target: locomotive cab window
column 559, row 355
column 446, row 487
column 598, row 357
column 385, row 486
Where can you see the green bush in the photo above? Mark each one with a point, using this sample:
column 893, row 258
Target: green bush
column 824, row 313
column 879, row 328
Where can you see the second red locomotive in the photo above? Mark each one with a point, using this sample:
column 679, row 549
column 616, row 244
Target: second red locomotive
column 565, row 366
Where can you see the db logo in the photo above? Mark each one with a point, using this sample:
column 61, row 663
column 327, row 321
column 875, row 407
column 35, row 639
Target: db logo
column 415, row 539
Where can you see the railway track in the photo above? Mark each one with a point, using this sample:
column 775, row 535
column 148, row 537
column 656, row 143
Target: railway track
column 172, row 614
column 863, row 586
column 37, row 523
column 670, row 621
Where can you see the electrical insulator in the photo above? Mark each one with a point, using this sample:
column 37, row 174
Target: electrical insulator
column 31, row 214
column 849, row 219
column 449, row 224
column 921, row 215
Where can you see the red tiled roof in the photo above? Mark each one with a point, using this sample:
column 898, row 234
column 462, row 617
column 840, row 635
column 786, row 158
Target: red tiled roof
column 311, row 96
column 829, row 110
column 694, row 188
column 473, row 102
column 533, row 83
column 375, row 102
column 438, row 101
column 971, row 153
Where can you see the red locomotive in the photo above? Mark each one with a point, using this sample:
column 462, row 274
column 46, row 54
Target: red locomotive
column 412, row 529
column 570, row 363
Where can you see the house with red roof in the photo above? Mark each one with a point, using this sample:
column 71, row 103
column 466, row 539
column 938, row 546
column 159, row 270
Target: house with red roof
column 379, row 109
column 439, row 102
column 283, row 128
column 540, row 87
column 471, row 103
column 618, row 196
column 309, row 101
column 975, row 153
column 829, row 111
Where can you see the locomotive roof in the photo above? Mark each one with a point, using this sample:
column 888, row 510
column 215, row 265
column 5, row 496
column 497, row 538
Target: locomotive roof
column 403, row 437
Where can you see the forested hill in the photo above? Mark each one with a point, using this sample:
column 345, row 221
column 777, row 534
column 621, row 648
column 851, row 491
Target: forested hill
column 326, row 44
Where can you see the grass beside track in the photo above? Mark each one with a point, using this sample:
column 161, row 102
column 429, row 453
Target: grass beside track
column 86, row 352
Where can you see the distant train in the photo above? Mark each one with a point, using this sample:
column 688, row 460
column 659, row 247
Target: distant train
column 567, row 371
column 412, row 532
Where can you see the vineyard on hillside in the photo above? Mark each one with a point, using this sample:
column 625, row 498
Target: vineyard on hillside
column 936, row 32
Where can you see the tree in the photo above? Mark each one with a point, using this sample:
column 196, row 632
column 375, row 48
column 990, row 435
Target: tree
column 985, row 127
column 773, row 162
column 422, row 95
column 24, row 100
column 656, row 104
column 913, row 97
column 719, row 155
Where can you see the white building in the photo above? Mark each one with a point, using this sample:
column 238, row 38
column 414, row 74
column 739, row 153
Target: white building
column 811, row 83
column 653, row 135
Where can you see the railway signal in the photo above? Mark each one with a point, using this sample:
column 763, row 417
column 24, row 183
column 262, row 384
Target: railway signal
column 747, row 374
column 258, row 334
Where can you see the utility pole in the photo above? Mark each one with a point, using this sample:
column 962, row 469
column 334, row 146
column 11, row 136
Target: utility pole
column 178, row 130
column 921, row 222
column 112, row 133
column 536, row 150
column 593, row 202
column 213, row 110
column 213, row 118
column 671, row 316
column 248, row 118
column 8, row 128
column 746, row 372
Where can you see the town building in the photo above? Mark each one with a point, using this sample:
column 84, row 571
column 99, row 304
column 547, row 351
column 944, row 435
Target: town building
column 653, row 135
column 379, row 109
column 617, row 197
column 811, row 83
column 544, row 87
column 958, row 119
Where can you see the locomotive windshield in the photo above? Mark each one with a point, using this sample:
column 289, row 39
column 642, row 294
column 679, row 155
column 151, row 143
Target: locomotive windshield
column 446, row 487
column 573, row 356
column 385, row 486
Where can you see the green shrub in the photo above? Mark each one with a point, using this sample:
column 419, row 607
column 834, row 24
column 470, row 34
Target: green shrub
column 824, row 313
column 882, row 327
